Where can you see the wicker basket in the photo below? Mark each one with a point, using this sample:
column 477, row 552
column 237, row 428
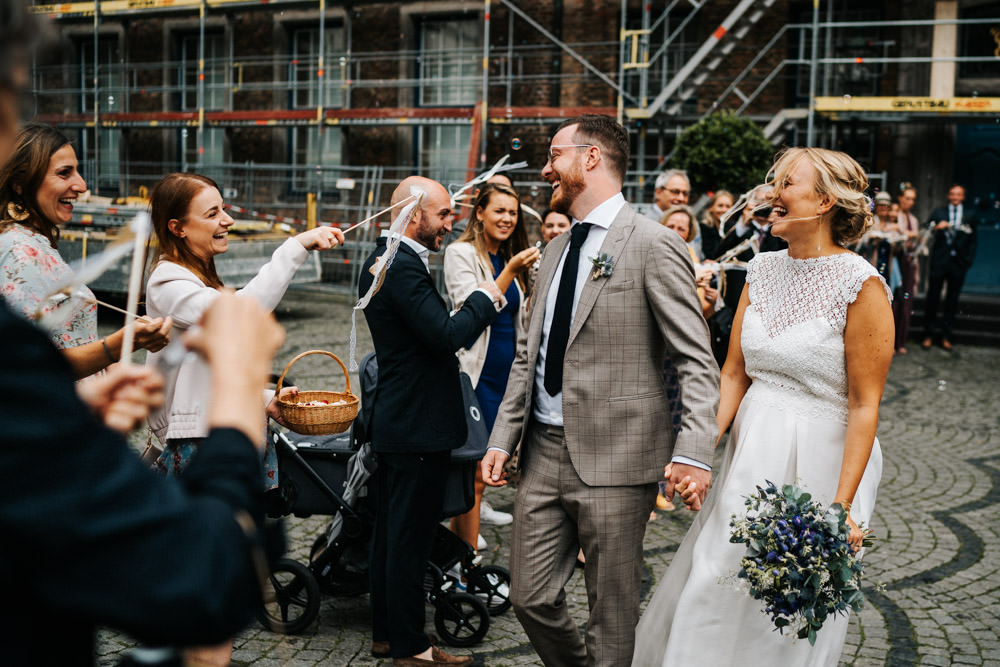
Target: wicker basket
column 319, row 419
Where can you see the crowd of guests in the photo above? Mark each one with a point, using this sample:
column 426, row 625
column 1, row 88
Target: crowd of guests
column 593, row 469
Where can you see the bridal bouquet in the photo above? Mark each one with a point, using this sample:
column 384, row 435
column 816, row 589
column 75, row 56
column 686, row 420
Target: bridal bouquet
column 797, row 559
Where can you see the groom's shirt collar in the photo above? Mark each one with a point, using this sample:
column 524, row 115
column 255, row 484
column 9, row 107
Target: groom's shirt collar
column 605, row 212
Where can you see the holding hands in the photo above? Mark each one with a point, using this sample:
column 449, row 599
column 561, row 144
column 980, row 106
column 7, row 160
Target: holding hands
column 321, row 238
column 691, row 482
column 492, row 467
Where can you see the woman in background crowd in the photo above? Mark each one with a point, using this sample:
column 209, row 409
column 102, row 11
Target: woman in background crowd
column 191, row 226
column 492, row 247
column 38, row 187
column 711, row 224
column 909, row 268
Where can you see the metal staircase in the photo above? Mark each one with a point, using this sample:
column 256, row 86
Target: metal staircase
column 705, row 60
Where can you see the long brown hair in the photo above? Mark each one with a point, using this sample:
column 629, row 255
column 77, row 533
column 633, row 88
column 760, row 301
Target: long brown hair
column 515, row 243
column 171, row 200
column 23, row 174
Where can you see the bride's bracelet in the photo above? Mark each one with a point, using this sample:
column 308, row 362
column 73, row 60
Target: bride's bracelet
column 843, row 503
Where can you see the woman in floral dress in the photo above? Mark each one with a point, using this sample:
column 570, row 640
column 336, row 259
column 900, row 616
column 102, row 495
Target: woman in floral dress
column 38, row 187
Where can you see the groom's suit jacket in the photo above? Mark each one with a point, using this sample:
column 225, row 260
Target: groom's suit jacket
column 615, row 411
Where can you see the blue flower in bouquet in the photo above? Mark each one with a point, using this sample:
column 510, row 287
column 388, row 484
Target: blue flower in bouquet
column 798, row 561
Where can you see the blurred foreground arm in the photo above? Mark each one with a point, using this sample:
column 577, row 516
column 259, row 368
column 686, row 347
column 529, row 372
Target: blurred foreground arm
column 75, row 493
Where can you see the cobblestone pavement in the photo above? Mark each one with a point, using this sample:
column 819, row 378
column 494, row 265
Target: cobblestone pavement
column 937, row 517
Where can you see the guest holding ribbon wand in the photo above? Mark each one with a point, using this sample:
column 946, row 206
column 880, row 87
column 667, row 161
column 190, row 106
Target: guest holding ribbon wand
column 38, row 188
column 191, row 227
column 492, row 247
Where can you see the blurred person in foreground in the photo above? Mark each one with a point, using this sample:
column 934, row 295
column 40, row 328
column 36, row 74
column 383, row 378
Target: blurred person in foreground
column 586, row 400
column 88, row 529
column 418, row 417
column 807, row 365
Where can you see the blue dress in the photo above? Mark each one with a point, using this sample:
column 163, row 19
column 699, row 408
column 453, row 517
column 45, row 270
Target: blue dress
column 499, row 353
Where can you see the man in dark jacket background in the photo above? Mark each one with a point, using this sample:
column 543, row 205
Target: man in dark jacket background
column 418, row 418
column 954, row 228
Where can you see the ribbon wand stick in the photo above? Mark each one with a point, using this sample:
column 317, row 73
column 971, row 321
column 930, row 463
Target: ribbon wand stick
column 385, row 210
column 140, row 226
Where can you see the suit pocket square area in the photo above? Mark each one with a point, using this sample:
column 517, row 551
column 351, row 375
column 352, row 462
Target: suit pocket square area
column 612, row 288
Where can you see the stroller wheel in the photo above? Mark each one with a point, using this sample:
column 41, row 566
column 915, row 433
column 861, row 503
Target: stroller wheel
column 291, row 598
column 461, row 619
column 491, row 584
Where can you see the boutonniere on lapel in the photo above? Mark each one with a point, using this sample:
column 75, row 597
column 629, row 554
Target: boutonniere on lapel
column 604, row 266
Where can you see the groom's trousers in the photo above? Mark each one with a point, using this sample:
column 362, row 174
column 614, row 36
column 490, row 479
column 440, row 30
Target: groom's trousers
column 555, row 514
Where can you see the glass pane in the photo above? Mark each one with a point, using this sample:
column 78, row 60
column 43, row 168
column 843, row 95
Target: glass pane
column 216, row 70
column 305, row 66
column 316, row 154
column 445, row 152
column 450, row 65
column 109, row 75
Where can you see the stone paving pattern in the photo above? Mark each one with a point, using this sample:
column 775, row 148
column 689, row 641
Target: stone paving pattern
column 937, row 520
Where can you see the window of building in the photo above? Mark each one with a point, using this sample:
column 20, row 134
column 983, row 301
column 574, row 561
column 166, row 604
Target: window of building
column 217, row 86
column 305, row 68
column 444, row 152
column 213, row 143
column 110, row 97
column 450, row 64
column 316, row 155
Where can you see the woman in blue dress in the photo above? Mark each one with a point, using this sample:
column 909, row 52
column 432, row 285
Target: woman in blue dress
column 493, row 246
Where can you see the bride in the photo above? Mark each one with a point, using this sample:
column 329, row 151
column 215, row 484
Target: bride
column 808, row 359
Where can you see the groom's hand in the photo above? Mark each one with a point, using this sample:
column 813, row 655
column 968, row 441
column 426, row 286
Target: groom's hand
column 691, row 482
column 492, row 465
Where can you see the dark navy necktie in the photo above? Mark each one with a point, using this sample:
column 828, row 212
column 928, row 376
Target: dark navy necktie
column 562, row 315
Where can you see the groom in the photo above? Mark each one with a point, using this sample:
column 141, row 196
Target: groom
column 587, row 400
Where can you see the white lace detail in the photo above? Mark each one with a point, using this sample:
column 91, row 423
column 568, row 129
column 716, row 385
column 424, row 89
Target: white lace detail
column 793, row 330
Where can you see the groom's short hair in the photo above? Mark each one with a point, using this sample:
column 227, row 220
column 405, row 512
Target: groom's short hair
column 607, row 134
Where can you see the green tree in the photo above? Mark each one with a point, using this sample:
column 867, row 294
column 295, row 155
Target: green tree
column 724, row 151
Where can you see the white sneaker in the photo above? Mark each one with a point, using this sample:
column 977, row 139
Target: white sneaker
column 494, row 517
column 480, row 543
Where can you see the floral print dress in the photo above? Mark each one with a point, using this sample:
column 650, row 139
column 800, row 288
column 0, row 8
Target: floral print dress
column 30, row 268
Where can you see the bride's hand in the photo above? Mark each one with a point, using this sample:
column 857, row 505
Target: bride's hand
column 856, row 536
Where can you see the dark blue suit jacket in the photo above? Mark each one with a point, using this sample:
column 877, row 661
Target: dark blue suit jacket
column 90, row 537
column 953, row 249
column 418, row 403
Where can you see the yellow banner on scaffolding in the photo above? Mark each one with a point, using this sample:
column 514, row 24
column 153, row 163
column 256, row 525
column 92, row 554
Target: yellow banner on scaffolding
column 117, row 6
column 933, row 105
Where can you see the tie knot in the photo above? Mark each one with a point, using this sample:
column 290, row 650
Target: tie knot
column 579, row 234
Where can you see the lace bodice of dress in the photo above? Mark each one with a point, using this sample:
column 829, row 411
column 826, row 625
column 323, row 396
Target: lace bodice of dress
column 793, row 329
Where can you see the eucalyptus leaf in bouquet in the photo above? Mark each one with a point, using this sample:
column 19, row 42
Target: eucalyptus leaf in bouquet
column 797, row 559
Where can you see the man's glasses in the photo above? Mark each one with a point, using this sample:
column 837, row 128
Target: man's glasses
column 553, row 156
column 677, row 193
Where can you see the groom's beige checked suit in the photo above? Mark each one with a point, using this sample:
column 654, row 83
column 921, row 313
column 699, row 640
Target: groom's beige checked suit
column 598, row 487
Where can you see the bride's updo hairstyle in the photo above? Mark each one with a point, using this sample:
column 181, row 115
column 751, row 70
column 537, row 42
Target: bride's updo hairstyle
column 837, row 175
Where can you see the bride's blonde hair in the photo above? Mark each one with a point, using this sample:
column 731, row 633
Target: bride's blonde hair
column 837, row 175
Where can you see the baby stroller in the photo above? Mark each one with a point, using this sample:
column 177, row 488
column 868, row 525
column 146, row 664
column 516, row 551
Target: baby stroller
column 329, row 475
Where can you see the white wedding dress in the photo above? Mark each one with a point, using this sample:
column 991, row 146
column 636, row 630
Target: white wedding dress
column 789, row 428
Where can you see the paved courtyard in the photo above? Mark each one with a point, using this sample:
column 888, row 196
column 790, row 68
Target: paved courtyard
column 937, row 518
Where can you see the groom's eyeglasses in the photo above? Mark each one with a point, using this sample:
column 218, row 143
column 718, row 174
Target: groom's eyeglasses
column 553, row 155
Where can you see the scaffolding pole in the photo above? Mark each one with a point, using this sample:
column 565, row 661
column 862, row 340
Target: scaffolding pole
column 811, row 118
column 486, row 82
column 200, row 134
column 97, row 101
